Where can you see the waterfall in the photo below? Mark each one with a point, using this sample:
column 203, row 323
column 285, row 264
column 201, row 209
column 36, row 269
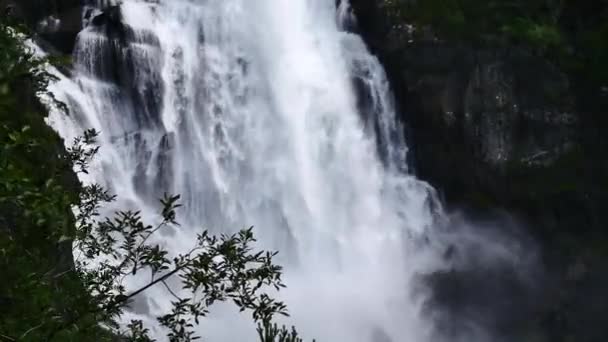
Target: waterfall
column 264, row 113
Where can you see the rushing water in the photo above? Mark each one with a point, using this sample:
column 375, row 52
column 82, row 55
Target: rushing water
column 264, row 113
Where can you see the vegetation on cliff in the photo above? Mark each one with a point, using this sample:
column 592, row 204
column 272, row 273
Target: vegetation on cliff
column 572, row 33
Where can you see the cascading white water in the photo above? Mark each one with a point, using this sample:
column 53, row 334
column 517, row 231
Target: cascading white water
column 263, row 113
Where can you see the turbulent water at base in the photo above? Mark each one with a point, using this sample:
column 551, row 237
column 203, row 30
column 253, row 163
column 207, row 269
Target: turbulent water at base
column 264, row 113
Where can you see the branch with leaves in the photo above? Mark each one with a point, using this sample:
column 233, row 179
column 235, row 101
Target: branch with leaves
column 216, row 269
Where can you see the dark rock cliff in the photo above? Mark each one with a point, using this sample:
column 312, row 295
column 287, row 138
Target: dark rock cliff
column 502, row 128
column 55, row 21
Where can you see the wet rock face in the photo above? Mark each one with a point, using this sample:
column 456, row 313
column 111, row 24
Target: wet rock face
column 483, row 111
column 55, row 21
column 517, row 113
column 128, row 59
column 474, row 114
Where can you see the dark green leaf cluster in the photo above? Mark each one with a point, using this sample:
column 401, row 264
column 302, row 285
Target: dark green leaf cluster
column 574, row 34
column 216, row 269
column 531, row 21
column 271, row 332
column 37, row 190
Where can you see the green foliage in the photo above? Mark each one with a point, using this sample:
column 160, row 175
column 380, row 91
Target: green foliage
column 216, row 269
column 37, row 189
column 271, row 332
column 47, row 217
column 571, row 34
column 531, row 21
column 540, row 35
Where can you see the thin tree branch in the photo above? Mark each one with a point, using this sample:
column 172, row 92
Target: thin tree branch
column 134, row 253
column 30, row 330
column 117, row 302
column 161, row 279
column 171, row 291
column 7, row 338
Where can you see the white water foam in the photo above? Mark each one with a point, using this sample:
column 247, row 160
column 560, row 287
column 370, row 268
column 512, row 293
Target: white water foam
column 263, row 113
